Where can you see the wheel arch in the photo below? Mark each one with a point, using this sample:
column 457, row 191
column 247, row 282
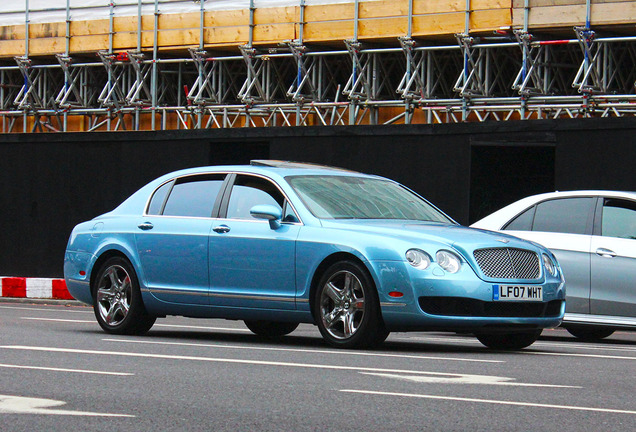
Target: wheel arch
column 329, row 261
column 101, row 259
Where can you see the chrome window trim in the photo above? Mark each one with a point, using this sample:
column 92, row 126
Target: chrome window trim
column 300, row 222
column 175, row 179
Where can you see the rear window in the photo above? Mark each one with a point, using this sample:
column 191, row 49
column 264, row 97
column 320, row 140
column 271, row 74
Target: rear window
column 194, row 196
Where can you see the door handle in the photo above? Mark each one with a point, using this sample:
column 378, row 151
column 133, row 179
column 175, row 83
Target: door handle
column 606, row 253
column 221, row 229
column 145, row 226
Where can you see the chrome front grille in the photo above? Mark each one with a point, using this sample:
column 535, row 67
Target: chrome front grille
column 508, row 263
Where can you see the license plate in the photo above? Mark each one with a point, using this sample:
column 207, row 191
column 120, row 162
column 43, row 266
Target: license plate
column 517, row 292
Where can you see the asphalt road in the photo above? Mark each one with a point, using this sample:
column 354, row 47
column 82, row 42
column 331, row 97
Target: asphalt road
column 60, row 372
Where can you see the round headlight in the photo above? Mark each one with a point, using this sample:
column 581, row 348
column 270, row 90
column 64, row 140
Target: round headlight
column 448, row 261
column 549, row 265
column 418, row 259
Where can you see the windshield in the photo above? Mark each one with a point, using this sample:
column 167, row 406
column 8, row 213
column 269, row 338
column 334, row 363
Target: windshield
column 341, row 197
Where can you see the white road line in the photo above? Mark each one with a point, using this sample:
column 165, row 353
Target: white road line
column 611, row 357
column 223, row 360
column 203, row 327
column 28, row 405
column 450, row 340
column 52, row 309
column 490, row 401
column 156, row 325
column 309, row 351
column 467, row 379
column 59, row 320
column 574, row 345
column 65, row 370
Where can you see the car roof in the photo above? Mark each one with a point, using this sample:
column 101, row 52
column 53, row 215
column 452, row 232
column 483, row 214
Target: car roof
column 574, row 193
column 270, row 168
column 505, row 214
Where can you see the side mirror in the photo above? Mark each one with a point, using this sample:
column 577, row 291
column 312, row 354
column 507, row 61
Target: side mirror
column 268, row 212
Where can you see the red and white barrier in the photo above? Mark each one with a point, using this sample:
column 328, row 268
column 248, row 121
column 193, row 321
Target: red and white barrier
column 37, row 288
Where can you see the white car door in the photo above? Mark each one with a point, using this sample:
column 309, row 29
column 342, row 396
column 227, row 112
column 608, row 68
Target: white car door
column 564, row 226
column 613, row 265
column 573, row 253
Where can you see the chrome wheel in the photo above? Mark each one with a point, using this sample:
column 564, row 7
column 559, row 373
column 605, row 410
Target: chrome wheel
column 114, row 295
column 342, row 305
column 117, row 301
column 346, row 307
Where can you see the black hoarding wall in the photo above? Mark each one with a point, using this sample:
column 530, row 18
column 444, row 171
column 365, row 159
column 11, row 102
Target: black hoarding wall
column 50, row 182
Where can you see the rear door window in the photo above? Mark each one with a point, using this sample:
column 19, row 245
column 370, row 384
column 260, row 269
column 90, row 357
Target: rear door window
column 194, row 196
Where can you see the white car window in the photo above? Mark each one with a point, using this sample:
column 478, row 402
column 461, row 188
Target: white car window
column 568, row 215
column 619, row 219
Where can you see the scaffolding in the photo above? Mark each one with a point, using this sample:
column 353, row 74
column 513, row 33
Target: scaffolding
column 510, row 74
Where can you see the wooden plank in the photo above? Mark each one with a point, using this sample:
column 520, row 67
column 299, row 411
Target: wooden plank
column 276, row 15
column 329, row 12
column 237, row 17
column 47, row 46
column 90, row 27
column 274, row 32
column 11, row 48
column 543, row 3
column 385, row 27
column 90, row 43
column 384, row 9
column 328, row 31
column 492, row 19
column 181, row 37
column 223, row 35
column 488, row 4
column 125, row 24
column 439, row 24
column 438, row 6
column 46, row 30
column 573, row 15
column 12, row 32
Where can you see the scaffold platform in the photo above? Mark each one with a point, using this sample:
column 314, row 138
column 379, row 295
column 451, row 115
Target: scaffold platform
column 106, row 65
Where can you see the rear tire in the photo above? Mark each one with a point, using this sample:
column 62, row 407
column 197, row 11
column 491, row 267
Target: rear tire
column 347, row 309
column 508, row 341
column 271, row 329
column 590, row 334
column 117, row 301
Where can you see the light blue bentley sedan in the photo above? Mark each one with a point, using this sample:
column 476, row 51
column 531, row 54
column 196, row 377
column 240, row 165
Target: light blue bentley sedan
column 280, row 243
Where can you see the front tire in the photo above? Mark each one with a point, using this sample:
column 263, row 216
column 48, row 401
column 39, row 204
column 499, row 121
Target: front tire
column 508, row 341
column 347, row 309
column 117, row 301
column 271, row 329
column 590, row 334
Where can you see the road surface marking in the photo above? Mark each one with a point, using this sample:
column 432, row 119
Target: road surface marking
column 612, row 357
column 466, row 379
column 54, row 308
column 224, row 360
column 156, row 325
column 65, row 370
column 27, row 405
column 312, row 351
column 60, row 320
column 490, row 401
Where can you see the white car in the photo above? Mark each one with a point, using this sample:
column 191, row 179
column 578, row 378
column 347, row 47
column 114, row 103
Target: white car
column 593, row 235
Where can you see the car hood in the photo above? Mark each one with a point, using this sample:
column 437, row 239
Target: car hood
column 459, row 237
